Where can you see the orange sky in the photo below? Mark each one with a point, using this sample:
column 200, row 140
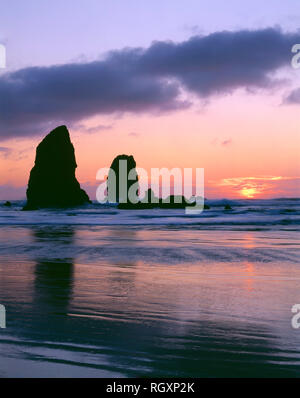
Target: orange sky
column 248, row 145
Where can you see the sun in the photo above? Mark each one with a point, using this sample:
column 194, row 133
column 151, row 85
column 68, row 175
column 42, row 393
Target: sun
column 249, row 192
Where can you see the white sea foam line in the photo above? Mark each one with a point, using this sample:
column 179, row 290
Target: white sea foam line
column 102, row 317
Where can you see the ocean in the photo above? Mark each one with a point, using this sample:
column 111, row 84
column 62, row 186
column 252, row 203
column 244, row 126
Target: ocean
column 99, row 292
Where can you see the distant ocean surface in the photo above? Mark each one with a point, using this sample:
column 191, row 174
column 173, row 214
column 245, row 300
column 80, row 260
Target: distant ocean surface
column 97, row 291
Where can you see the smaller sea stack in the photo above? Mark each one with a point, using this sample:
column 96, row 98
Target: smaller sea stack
column 122, row 174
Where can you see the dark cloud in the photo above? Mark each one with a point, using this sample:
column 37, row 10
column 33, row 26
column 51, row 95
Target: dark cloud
column 223, row 61
column 35, row 99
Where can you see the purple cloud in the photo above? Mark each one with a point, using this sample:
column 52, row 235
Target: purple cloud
column 35, row 99
column 227, row 142
column 293, row 97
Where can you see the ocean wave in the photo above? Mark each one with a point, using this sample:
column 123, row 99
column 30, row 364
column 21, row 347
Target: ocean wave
column 275, row 213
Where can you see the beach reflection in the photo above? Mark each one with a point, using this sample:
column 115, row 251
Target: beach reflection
column 118, row 314
column 53, row 281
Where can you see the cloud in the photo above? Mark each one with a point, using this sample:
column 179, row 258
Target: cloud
column 250, row 187
column 293, row 97
column 35, row 99
column 227, row 142
column 4, row 151
column 219, row 142
column 93, row 129
column 14, row 153
column 223, row 61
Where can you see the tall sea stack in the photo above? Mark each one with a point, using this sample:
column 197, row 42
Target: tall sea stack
column 52, row 181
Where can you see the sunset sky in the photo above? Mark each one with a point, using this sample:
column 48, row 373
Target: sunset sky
column 173, row 83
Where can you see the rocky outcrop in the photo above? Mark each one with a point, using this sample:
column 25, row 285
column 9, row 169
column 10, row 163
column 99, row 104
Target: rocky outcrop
column 121, row 177
column 52, row 181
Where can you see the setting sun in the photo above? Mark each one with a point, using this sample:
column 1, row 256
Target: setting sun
column 249, row 192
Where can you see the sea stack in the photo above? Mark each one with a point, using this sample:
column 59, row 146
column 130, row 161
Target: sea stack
column 121, row 177
column 52, row 181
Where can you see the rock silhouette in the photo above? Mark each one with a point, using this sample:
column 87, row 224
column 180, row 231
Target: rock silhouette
column 118, row 177
column 52, row 181
column 150, row 198
column 150, row 201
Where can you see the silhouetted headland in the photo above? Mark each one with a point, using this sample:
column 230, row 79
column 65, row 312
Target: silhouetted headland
column 52, row 181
